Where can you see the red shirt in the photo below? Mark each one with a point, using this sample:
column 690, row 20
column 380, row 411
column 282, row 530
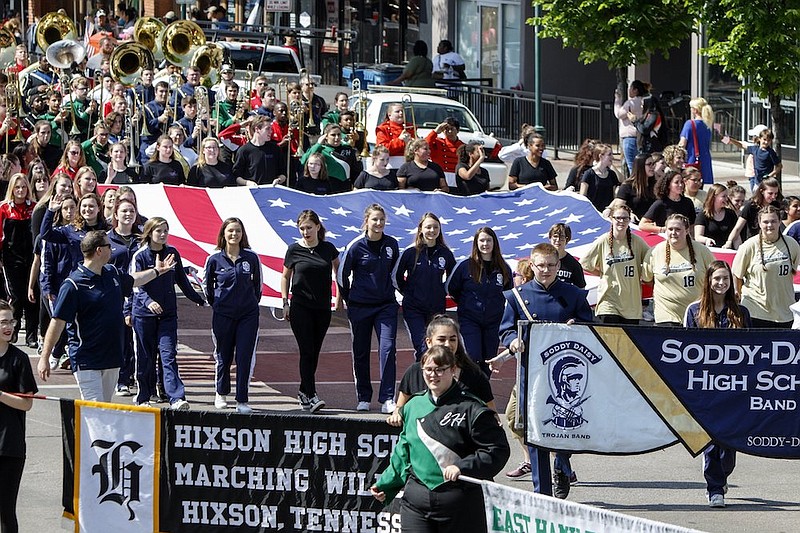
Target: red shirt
column 13, row 211
column 279, row 132
column 443, row 151
column 388, row 135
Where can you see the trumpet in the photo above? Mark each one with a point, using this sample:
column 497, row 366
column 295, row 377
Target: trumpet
column 201, row 95
column 248, row 78
column 361, row 117
column 408, row 102
column 305, row 78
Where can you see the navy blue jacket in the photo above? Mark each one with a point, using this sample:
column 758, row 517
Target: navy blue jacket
column 161, row 289
column 419, row 276
column 480, row 302
column 233, row 289
column 68, row 235
column 559, row 303
column 372, row 273
column 56, row 266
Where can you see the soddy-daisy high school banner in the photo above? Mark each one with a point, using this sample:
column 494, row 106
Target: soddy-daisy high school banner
column 618, row 390
column 133, row 469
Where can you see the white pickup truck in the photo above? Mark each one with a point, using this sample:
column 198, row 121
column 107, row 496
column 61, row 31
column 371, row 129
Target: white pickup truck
column 275, row 62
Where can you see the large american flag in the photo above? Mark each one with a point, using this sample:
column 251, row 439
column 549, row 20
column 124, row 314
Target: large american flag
column 520, row 218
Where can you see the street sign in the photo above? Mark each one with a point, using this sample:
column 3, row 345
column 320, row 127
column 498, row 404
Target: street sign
column 277, row 5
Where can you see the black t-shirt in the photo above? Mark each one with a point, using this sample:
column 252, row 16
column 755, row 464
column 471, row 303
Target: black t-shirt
column 312, row 276
column 662, row 209
column 261, row 164
column 574, row 177
column 312, row 186
column 167, row 173
column 16, row 376
column 478, row 184
column 571, row 272
column 365, row 180
column 749, row 212
column 718, row 230
column 474, row 380
column 212, row 176
column 122, row 177
column 526, row 173
column 638, row 204
column 424, row 179
column 601, row 190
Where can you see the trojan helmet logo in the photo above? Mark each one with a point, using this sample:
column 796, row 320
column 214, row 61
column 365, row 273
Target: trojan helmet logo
column 568, row 375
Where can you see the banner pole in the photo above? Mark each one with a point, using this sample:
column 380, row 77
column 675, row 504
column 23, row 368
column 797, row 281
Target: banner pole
column 521, row 324
column 470, row 479
column 34, row 396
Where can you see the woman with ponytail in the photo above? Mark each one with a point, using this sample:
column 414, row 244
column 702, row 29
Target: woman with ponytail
column 696, row 137
column 617, row 258
column 676, row 266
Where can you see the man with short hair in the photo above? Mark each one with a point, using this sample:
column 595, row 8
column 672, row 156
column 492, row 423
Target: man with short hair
column 107, row 45
column 157, row 115
column 545, row 299
column 89, row 305
column 448, row 64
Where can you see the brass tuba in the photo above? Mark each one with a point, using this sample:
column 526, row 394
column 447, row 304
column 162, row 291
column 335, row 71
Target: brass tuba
column 208, row 60
column 54, row 27
column 128, row 60
column 8, row 46
column 147, row 32
column 180, row 40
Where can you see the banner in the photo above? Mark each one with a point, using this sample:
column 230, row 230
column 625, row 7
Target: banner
column 521, row 219
column 632, row 389
column 223, row 471
column 512, row 510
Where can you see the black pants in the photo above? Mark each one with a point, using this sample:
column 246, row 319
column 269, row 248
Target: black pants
column 17, row 288
column 309, row 327
column 11, row 476
column 452, row 507
column 758, row 323
column 617, row 319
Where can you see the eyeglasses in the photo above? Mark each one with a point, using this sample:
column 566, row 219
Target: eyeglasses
column 436, row 370
column 8, row 323
column 543, row 267
column 74, row 152
column 621, row 219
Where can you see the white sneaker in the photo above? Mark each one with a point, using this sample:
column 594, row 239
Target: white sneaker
column 315, row 404
column 124, row 390
column 362, row 406
column 243, row 409
column 180, row 405
column 388, row 407
column 220, row 401
column 716, row 500
column 53, row 362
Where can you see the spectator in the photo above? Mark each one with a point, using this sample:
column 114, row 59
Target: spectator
column 749, row 168
column 447, row 63
column 652, row 126
column 696, row 137
column 627, row 112
column 418, row 72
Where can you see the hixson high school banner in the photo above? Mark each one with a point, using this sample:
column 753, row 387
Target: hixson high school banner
column 131, row 469
column 619, row 390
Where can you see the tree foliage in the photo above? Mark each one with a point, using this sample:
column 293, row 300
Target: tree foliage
column 760, row 43
column 620, row 32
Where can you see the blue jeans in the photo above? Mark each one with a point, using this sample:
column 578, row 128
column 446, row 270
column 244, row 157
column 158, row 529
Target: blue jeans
column 629, row 151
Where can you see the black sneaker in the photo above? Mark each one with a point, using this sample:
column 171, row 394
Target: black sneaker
column 315, row 403
column 305, row 402
column 560, row 485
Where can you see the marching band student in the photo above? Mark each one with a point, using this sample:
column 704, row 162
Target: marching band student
column 675, row 266
column 162, row 166
column 371, row 304
column 394, row 133
column 617, row 258
column 307, row 272
column 546, row 298
column 210, row 171
column 71, row 160
column 341, row 104
column 443, row 330
column 233, row 289
column 477, row 284
column 193, row 126
column 40, row 141
column 155, row 316
column 718, row 307
column 764, row 267
column 157, row 116
column 96, row 148
column 123, row 240
column 419, row 276
column 118, row 171
column 669, row 190
column 314, row 179
column 83, row 107
column 444, row 150
column 532, row 168
column 471, row 177
column 16, row 377
column 17, row 254
column 433, row 499
column 259, row 161
column 768, row 192
column 377, row 176
column 569, row 269
column 419, row 172
column 716, row 220
column 599, row 182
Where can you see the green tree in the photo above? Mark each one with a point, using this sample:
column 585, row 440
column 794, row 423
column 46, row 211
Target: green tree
column 758, row 41
column 620, row 32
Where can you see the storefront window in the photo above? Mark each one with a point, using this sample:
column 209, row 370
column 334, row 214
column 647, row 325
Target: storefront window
column 382, row 34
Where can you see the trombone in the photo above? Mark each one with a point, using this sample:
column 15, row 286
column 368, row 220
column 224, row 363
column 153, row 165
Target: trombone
column 408, row 102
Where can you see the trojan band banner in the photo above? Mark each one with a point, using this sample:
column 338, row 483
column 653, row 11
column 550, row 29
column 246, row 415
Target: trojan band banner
column 141, row 469
column 632, row 389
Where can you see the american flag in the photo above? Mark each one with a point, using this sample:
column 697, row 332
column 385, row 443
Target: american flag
column 520, row 218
